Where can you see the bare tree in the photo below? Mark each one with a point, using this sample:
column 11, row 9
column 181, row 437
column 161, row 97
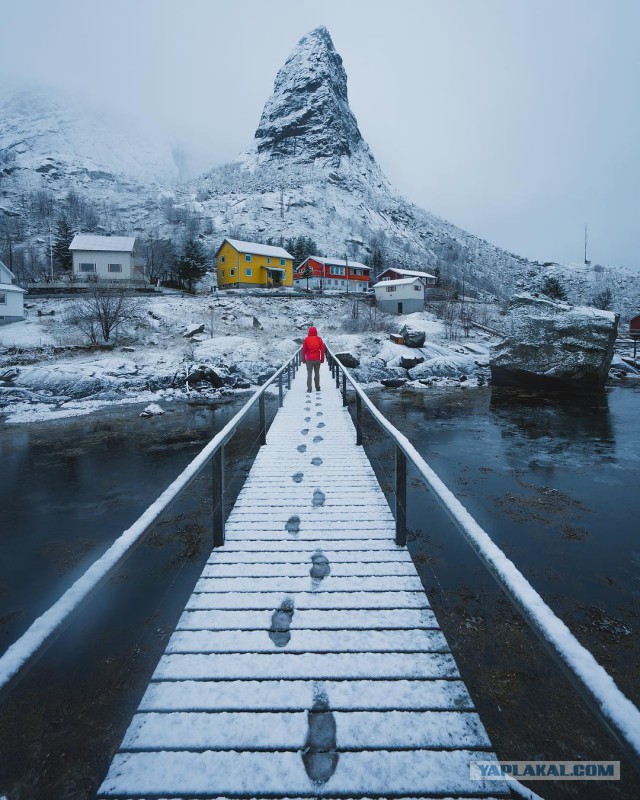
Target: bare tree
column 100, row 313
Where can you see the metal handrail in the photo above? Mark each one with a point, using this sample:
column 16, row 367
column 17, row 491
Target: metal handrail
column 619, row 716
column 23, row 653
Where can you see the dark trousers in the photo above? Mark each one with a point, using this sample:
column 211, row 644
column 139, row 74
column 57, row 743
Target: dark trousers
column 313, row 367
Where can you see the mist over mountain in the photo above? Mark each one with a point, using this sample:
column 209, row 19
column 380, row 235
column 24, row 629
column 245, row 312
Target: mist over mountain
column 307, row 172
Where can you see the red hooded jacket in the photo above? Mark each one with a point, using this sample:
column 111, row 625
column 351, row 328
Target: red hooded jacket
column 313, row 347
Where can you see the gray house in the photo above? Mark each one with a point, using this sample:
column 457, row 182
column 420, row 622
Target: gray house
column 402, row 296
column 104, row 257
column 11, row 297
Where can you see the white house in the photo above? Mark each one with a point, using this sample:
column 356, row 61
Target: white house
column 394, row 274
column 105, row 257
column 402, row 296
column 11, row 297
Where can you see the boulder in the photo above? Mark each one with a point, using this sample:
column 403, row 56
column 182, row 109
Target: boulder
column 9, row 375
column 348, row 359
column 152, row 410
column 407, row 362
column 552, row 345
column 393, row 383
column 192, row 330
column 205, row 374
column 412, row 338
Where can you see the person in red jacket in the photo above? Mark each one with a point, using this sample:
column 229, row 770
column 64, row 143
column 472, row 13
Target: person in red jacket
column 313, row 356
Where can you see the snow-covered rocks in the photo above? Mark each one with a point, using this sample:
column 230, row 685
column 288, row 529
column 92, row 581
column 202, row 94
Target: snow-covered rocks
column 193, row 330
column 412, row 337
column 348, row 359
column 152, row 410
column 554, row 345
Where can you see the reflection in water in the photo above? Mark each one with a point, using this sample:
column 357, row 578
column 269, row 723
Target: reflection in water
column 562, row 430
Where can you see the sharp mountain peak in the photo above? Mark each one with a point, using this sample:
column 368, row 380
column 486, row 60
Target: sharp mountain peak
column 308, row 118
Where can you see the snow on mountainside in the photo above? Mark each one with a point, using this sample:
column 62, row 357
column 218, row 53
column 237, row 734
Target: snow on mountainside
column 51, row 134
column 308, row 172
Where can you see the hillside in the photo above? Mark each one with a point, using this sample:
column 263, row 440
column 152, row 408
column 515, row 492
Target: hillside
column 307, row 172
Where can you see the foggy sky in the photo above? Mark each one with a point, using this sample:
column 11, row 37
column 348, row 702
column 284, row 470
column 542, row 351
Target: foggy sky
column 518, row 121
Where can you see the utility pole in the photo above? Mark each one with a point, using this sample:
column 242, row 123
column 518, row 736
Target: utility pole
column 585, row 244
column 50, row 249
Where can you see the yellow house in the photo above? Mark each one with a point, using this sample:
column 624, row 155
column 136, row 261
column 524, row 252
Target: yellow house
column 252, row 264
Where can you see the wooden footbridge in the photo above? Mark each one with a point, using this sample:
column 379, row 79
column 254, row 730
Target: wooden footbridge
column 307, row 662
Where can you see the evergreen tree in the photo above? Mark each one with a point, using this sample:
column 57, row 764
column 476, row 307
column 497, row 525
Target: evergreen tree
column 377, row 262
column 438, row 276
column 553, row 288
column 62, row 257
column 192, row 264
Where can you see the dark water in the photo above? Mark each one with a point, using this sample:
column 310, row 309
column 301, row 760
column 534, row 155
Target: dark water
column 555, row 484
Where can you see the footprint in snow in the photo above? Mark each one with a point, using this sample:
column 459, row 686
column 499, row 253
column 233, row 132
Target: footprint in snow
column 298, row 476
column 293, row 525
column 279, row 632
column 320, row 568
column 301, row 448
column 317, row 439
column 318, row 498
column 320, row 425
column 316, row 461
column 320, row 756
column 307, row 419
column 304, row 431
column 319, row 414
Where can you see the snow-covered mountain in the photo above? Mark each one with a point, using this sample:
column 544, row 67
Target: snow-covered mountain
column 307, row 172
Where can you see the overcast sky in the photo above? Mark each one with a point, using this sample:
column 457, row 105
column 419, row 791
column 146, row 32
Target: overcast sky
column 518, row 120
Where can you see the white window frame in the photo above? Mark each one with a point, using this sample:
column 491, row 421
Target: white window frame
column 110, row 267
column 391, row 288
column 86, row 264
column 247, row 256
column 283, row 262
column 222, row 273
column 248, row 272
column 336, row 270
column 232, row 273
column 223, row 259
column 3, row 299
column 417, row 287
column 268, row 259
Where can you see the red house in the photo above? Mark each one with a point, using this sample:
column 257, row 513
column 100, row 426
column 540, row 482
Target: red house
column 331, row 275
column 634, row 327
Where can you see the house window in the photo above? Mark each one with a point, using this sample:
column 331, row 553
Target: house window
column 3, row 298
column 337, row 271
column 268, row 259
column 223, row 259
column 222, row 274
column 87, row 267
column 417, row 288
column 391, row 288
column 247, row 257
column 115, row 267
column 232, row 273
column 248, row 272
column 283, row 262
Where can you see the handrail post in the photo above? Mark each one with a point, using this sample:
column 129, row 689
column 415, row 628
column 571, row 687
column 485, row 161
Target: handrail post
column 263, row 421
column 337, row 376
column 280, row 389
column 344, row 388
column 401, row 498
column 288, row 376
column 358, row 419
column 217, row 493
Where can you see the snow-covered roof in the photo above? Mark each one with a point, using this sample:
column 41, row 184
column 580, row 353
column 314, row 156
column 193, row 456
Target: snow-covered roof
column 120, row 244
column 339, row 262
column 6, row 269
column 10, row 287
column 397, row 282
column 413, row 272
column 256, row 249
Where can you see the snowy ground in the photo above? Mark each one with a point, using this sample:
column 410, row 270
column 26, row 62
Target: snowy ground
column 48, row 372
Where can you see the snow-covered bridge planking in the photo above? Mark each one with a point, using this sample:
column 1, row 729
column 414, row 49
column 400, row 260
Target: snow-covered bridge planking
column 307, row 662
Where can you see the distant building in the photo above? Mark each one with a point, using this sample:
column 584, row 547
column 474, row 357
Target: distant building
column 252, row 264
column 11, row 297
column 402, row 296
column 634, row 326
column 394, row 274
column 332, row 275
column 105, row 257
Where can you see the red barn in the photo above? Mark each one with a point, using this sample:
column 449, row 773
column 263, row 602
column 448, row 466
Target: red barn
column 331, row 275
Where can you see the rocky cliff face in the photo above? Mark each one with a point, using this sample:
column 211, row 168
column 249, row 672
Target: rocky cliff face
column 308, row 115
